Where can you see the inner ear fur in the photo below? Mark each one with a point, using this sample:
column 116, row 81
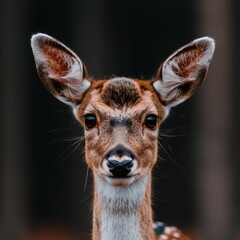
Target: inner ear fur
column 60, row 69
column 183, row 72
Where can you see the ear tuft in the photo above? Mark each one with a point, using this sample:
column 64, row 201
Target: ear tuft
column 59, row 68
column 183, row 72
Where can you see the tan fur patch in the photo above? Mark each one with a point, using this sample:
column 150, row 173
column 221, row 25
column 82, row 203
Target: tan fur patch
column 57, row 62
column 187, row 61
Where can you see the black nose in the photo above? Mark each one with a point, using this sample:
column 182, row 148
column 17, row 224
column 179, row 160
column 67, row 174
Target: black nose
column 120, row 169
column 120, row 161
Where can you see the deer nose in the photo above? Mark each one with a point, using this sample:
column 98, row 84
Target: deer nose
column 120, row 169
column 120, row 161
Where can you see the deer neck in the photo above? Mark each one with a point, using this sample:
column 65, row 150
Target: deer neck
column 122, row 213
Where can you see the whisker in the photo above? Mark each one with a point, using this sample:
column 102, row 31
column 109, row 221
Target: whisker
column 56, row 140
column 170, row 156
column 77, row 142
column 85, row 199
column 86, row 179
column 158, row 199
column 61, row 129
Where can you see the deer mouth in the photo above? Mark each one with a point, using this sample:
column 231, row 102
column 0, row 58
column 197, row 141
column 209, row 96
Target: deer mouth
column 120, row 177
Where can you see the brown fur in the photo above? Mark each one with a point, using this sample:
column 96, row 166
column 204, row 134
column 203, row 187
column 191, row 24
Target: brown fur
column 138, row 138
column 97, row 216
column 187, row 62
column 120, row 106
column 141, row 141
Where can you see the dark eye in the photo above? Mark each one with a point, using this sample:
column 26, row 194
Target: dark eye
column 151, row 121
column 90, row 121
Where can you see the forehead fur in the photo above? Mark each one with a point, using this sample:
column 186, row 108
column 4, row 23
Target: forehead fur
column 116, row 94
column 120, row 92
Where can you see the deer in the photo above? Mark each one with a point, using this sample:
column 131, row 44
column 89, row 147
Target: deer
column 121, row 118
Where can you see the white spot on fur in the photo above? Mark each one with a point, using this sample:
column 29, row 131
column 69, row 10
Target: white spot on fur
column 158, row 224
column 168, row 230
column 176, row 235
column 164, row 237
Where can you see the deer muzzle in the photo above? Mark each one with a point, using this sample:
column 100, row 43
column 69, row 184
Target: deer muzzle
column 120, row 162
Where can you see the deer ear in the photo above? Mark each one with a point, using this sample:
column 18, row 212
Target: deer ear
column 183, row 72
column 60, row 69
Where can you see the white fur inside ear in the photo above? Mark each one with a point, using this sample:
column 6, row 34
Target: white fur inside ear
column 37, row 51
column 163, row 89
column 210, row 47
column 77, row 91
column 62, row 56
column 209, row 44
column 75, row 71
column 170, row 79
column 74, row 63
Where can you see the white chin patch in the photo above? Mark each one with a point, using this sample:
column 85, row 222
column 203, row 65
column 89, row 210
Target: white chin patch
column 120, row 181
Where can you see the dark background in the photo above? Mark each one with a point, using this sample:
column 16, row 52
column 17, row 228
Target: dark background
column 45, row 187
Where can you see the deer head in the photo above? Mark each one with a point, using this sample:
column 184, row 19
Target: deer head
column 121, row 117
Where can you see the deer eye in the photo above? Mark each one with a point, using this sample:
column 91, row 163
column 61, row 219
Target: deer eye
column 90, row 121
column 151, row 121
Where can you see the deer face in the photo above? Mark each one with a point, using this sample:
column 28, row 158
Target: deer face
column 121, row 120
column 121, row 117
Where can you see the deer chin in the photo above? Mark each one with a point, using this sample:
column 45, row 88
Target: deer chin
column 121, row 181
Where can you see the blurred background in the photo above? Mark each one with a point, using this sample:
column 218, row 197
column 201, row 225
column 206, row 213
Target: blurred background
column 45, row 186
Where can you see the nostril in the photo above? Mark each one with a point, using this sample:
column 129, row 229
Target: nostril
column 127, row 164
column 124, row 163
column 113, row 163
